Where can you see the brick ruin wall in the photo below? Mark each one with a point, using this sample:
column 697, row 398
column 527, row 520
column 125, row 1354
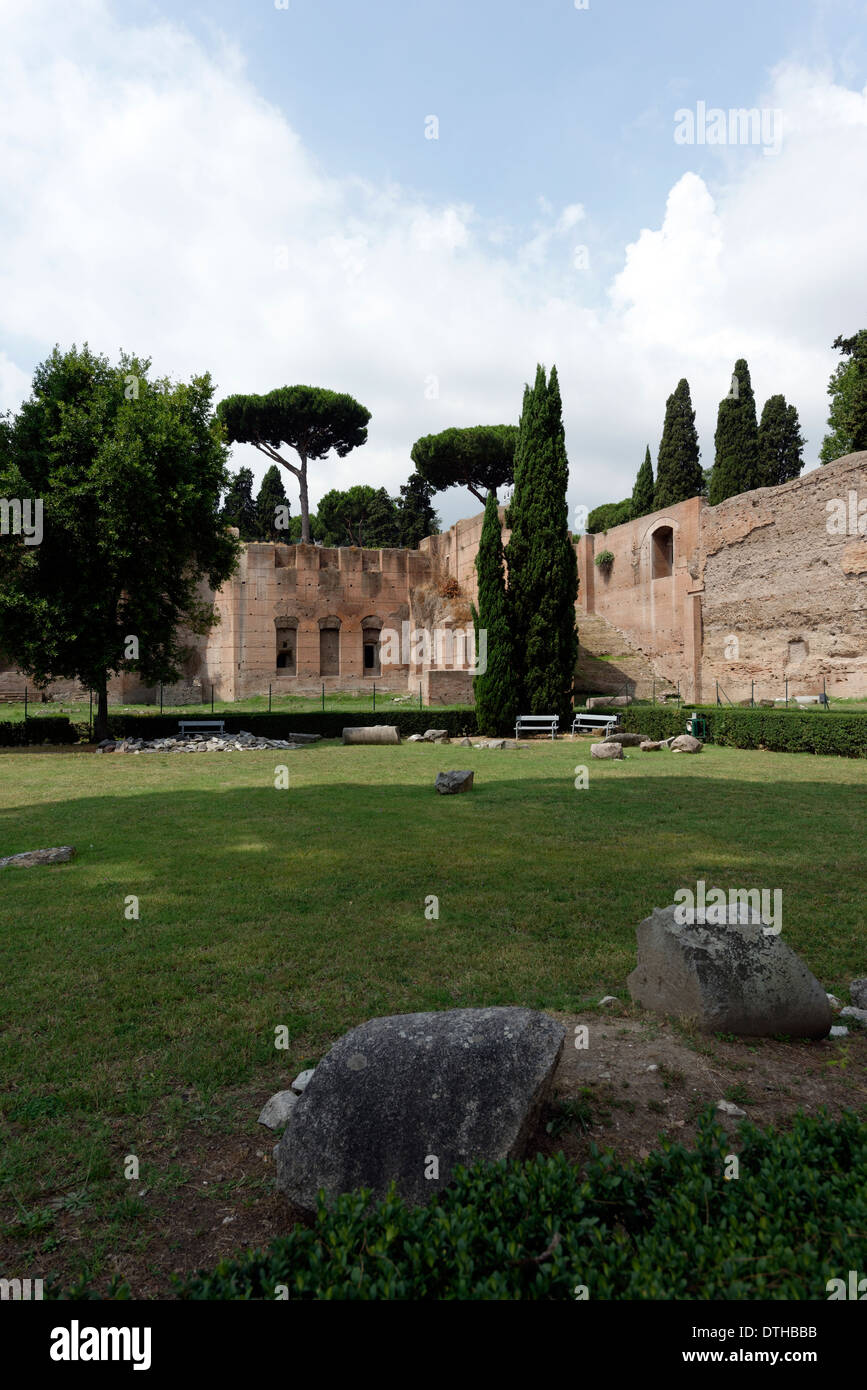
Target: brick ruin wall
column 758, row 589
column 785, row 598
column 751, row 593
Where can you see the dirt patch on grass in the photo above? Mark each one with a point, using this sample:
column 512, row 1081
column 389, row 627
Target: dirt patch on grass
column 636, row 1081
column 209, row 1193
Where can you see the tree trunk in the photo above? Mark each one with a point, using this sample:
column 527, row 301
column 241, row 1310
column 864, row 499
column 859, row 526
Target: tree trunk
column 100, row 723
column 305, row 506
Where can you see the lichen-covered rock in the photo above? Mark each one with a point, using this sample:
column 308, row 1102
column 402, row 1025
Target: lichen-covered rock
column 858, row 993
column 450, row 783
column 730, row 977
column 411, row 1096
column 30, row 858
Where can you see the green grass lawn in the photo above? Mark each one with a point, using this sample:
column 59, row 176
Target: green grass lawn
column 306, row 908
column 339, row 700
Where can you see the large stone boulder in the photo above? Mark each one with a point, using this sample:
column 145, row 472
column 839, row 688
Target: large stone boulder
column 685, row 743
column 730, row 978
column 436, row 736
column 626, row 740
column 606, row 750
column 410, row 1096
column 450, row 783
column 649, row 746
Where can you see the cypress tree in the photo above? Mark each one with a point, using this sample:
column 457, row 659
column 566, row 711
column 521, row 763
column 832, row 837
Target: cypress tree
column 543, row 570
column 271, row 495
column 678, row 471
column 643, row 492
column 416, row 517
column 736, row 464
column 239, row 509
column 496, row 689
column 781, row 444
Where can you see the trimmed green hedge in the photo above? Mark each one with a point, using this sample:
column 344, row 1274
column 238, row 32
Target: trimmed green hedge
column 330, row 723
column 51, row 728
column 779, row 730
column 672, row 1227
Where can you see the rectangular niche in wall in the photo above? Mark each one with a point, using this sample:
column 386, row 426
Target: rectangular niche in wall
column 797, row 651
column 287, row 645
column 329, row 646
column 370, row 634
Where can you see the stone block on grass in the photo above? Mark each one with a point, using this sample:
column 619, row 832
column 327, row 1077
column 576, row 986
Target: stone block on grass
column 731, row 977
column 410, row 1096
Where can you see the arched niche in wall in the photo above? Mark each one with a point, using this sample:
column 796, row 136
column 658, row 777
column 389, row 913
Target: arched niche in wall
column 662, row 552
column 371, row 630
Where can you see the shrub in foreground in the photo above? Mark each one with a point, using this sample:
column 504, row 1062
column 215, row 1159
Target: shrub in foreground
column 672, row 1227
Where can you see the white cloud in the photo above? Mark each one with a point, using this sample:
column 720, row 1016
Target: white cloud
column 154, row 201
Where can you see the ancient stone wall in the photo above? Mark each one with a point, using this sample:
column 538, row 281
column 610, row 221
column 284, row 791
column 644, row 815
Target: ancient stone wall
column 767, row 587
column 784, row 573
column 647, row 591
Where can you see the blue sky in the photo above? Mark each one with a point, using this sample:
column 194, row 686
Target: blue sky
column 249, row 190
column 535, row 98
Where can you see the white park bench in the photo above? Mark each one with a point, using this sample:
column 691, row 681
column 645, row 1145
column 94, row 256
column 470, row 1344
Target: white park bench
column 537, row 724
column 184, row 724
column 589, row 723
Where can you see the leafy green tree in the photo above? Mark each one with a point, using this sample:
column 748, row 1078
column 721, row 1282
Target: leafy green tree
column 496, row 688
column 480, row 458
column 308, row 419
column 238, row 508
column 736, row 466
column 678, row 472
column 837, row 443
column 416, row 517
column 643, row 492
column 271, row 495
column 848, row 391
column 293, row 535
column 129, row 472
column 609, row 514
column 542, row 566
column 781, row 444
column 361, row 515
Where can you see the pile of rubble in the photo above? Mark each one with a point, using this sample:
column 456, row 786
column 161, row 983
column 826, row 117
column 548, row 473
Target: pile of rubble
column 197, row 743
